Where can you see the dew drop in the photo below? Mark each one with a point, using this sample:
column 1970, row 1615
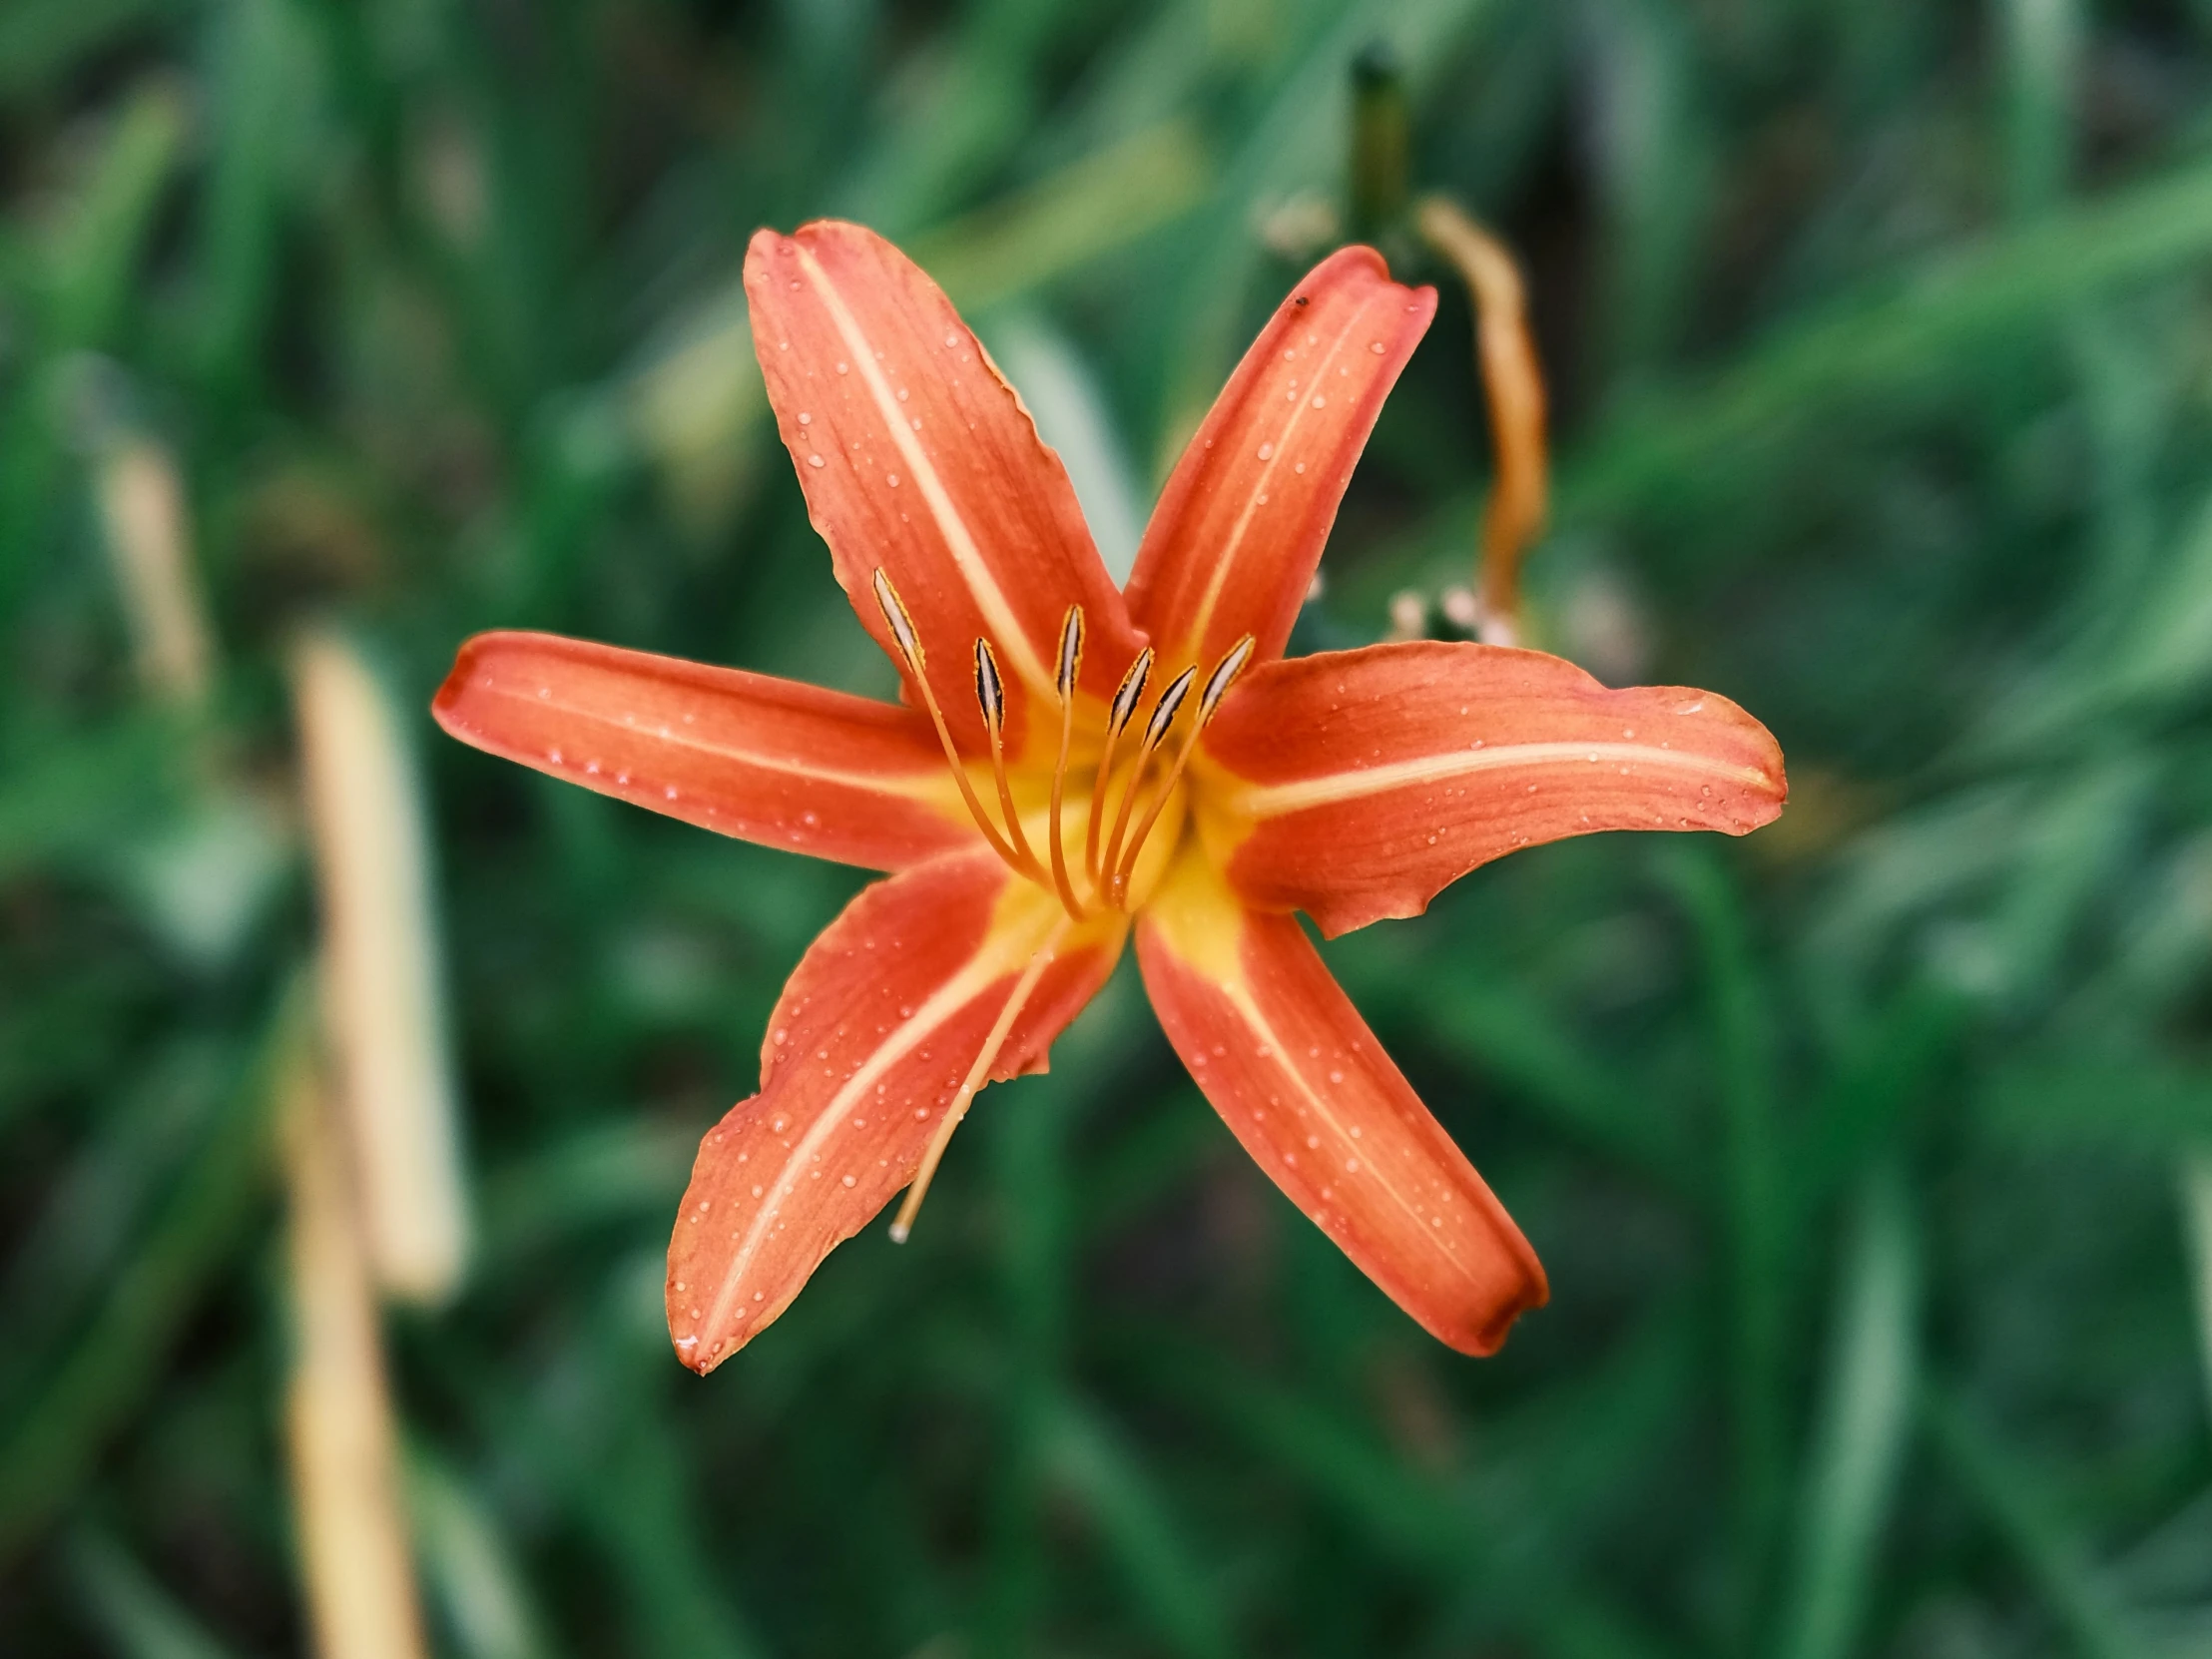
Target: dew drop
column 814, row 460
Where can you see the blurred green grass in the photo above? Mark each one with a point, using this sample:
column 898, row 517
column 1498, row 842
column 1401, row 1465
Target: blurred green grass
column 1867, row 1157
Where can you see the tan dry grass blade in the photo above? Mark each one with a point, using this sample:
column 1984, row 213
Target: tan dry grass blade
column 142, row 513
column 360, row 1579
column 1514, row 382
column 381, row 985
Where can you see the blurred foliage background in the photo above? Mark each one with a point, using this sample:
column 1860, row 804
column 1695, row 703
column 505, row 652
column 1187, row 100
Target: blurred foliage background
column 1870, row 1158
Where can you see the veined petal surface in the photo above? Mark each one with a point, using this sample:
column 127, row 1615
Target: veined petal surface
column 1233, row 544
column 869, row 1043
column 918, row 457
column 766, row 760
column 1355, row 785
column 1299, row 1079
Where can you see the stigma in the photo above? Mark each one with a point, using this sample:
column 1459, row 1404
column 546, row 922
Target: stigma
column 1125, row 803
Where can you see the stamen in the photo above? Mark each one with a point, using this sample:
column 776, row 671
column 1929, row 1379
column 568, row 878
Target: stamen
column 1071, row 653
column 990, row 694
column 990, row 691
column 1071, row 667
column 895, row 618
column 1224, row 676
column 1163, row 717
column 1124, row 707
column 1217, row 687
column 909, row 650
column 1169, row 705
column 1044, row 956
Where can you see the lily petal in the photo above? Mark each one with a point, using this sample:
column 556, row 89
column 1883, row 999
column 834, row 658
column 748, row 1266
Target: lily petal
column 1233, row 544
column 1365, row 781
column 918, row 457
column 766, row 760
column 875, row 1033
column 1299, row 1079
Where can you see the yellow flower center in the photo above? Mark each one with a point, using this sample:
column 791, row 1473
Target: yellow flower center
column 1126, row 802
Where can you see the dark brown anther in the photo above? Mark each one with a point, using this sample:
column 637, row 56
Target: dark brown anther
column 1131, row 692
column 1071, row 653
column 990, row 689
column 1170, row 705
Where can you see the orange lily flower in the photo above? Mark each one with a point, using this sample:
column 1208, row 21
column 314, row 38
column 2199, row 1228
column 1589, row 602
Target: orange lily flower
column 1073, row 763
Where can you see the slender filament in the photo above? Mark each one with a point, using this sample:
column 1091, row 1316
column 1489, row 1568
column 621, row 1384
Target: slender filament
column 1071, row 667
column 1040, row 959
column 1155, row 733
column 909, row 650
column 1217, row 687
column 1119, row 716
column 990, row 696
